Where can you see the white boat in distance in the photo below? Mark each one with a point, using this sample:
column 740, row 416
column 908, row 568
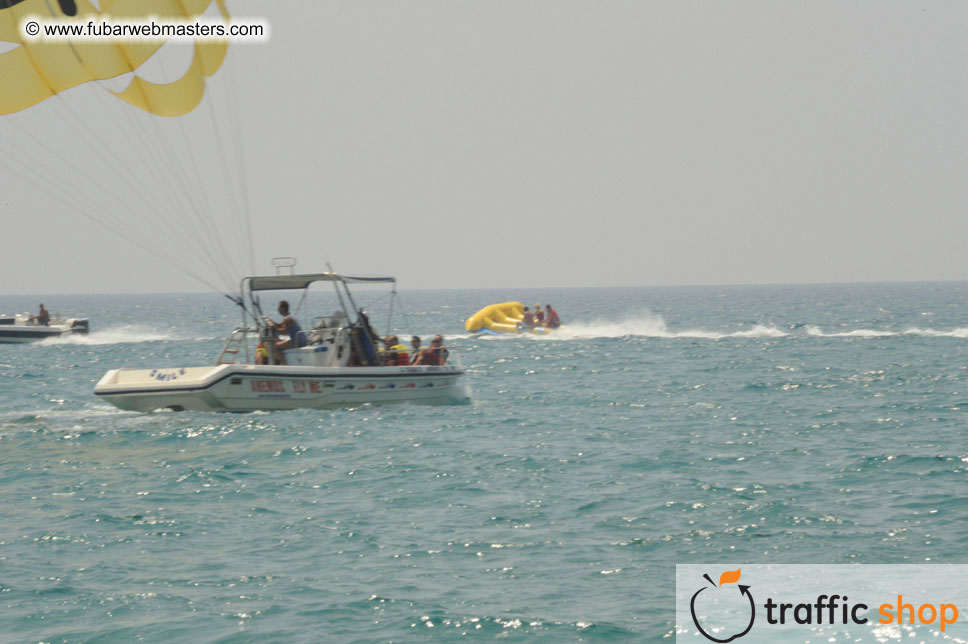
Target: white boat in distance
column 22, row 328
column 339, row 366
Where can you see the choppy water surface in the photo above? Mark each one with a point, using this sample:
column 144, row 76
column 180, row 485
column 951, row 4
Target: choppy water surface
column 761, row 424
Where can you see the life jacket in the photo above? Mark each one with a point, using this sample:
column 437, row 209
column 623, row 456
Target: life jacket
column 433, row 356
column 397, row 356
column 539, row 316
column 553, row 321
column 528, row 318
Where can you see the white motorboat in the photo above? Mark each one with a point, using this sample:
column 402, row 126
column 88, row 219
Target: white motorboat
column 340, row 364
column 24, row 328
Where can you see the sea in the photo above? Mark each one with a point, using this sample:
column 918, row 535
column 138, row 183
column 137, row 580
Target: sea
column 799, row 424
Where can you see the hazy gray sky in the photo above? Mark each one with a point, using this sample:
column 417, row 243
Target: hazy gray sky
column 553, row 143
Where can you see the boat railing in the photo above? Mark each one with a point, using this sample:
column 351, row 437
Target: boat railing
column 237, row 346
column 237, row 343
column 452, row 357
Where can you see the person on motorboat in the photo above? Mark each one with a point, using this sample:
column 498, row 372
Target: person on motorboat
column 288, row 326
column 364, row 323
column 552, row 321
column 42, row 318
column 539, row 315
column 435, row 355
column 415, row 349
column 395, row 353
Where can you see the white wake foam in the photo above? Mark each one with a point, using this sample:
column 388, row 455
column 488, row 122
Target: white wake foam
column 55, row 417
column 855, row 333
column 122, row 334
column 653, row 326
column 648, row 325
column 961, row 332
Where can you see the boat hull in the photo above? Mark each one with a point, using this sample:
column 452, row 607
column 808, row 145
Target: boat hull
column 239, row 387
column 537, row 330
column 18, row 333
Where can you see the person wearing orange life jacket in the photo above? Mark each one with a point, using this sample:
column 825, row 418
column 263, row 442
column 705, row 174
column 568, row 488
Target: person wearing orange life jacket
column 395, row 354
column 552, row 321
column 436, row 355
column 539, row 315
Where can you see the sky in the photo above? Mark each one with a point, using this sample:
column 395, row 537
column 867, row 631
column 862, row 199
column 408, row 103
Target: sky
column 548, row 143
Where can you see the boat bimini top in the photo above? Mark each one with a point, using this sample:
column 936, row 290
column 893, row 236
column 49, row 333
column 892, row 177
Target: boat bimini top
column 294, row 282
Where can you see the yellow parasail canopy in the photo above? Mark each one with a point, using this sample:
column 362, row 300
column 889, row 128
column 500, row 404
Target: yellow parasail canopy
column 35, row 71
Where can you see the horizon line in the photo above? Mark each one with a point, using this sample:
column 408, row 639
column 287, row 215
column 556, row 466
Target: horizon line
column 530, row 288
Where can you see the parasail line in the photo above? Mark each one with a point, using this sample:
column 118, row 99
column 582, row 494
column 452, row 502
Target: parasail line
column 163, row 158
column 228, row 80
column 83, row 212
column 161, row 153
column 77, row 170
column 216, row 237
column 155, row 201
column 229, row 185
column 165, row 177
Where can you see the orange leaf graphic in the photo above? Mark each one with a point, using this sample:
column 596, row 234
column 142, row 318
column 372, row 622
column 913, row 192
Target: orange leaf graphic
column 729, row 577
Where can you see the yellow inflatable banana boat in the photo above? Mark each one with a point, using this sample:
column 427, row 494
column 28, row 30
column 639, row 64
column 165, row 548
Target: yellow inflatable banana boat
column 503, row 318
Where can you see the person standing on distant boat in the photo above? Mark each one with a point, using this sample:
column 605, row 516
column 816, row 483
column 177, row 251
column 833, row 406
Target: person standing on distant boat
column 42, row 318
column 288, row 326
column 539, row 315
column 553, row 321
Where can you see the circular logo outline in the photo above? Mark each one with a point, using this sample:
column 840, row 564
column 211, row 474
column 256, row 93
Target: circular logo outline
column 744, row 590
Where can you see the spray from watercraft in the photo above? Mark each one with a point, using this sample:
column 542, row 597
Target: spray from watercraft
column 122, row 334
column 649, row 325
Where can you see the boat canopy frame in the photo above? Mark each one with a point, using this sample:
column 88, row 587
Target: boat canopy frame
column 249, row 288
column 302, row 281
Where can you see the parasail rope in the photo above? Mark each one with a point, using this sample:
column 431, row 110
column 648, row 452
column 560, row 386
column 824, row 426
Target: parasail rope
column 228, row 79
column 56, row 192
column 125, row 170
column 189, row 210
column 117, row 226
